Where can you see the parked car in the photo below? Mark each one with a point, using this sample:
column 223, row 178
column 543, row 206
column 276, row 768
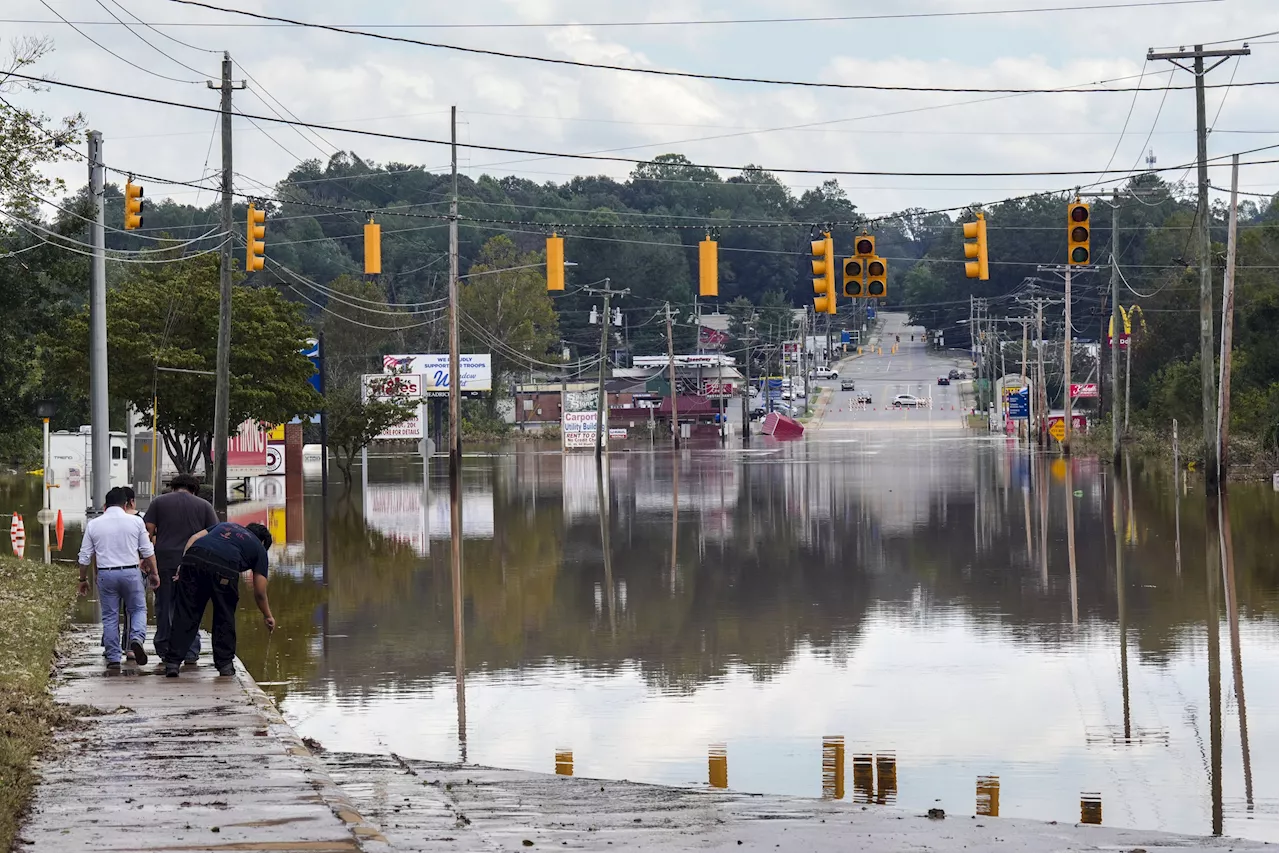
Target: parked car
column 944, row 380
column 846, row 384
column 823, row 373
column 907, row 401
column 955, row 374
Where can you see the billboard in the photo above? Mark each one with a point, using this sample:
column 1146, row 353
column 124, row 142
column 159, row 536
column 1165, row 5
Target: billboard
column 1084, row 389
column 433, row 368
column 381, row 386
column 247, row 451
column 578, row 430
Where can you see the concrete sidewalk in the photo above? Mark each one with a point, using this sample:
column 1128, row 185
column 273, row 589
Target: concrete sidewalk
column 193, row 763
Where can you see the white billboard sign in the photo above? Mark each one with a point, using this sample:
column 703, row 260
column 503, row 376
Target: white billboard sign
column 578, row 430
column 406, row 386
column 476, row 368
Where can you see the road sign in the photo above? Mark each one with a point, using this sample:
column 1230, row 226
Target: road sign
column 1084, row 389
column 1019, row 404
column 1058, row 430
column 871, row 312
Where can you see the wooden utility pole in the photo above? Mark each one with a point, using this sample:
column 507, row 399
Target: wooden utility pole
column 1026, row 321
column 602, row 395
column 1207, row 379
column 1116, row 331
column 455, row 358
column 222, row 368
column 1066, row 369
column 671, row 378
column 1228, row 312
column 99, row 405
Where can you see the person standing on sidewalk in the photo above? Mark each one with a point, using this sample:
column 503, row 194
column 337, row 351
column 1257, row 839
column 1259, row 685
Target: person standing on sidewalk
column 115, row 541
column 172, row 519
column 210, row 573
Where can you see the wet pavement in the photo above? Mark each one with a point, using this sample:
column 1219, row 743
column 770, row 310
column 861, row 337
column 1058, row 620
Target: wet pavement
column 725, row 619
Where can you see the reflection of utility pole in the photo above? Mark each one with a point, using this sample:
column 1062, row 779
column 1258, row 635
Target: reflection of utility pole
column 1233, row 624
column 1120, row 608
column 1071, row 539
column 1207, row 379
column 602, row 482
column 1212, row 578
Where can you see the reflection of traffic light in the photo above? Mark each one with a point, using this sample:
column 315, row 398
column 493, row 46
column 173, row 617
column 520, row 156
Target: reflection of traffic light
column 976, row 266
column 372, row 248
column 717, row 766
column 1078, row 233
column 564, row 762
column 708, row 274
column 877, row 272
column 864, row 246
column 864, row 778
column 854, row 275
column 254, row 239
column 824, row 271
column 988, row 796
column 1091, row 808
column 555, row 263
column 886, row 778
column 132, row 206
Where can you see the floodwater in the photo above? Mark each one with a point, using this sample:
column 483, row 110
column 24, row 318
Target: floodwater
column 891, row 619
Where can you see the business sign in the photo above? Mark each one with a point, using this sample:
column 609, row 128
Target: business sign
column 247, row 451
column 312, row 352
column 1019, row 401
column 1084, row 389
column 709, row 338
column 845, row 337
column 433, row 368
column 712, row 388
column 871, row 312
column 578, row 430
column 402, row 387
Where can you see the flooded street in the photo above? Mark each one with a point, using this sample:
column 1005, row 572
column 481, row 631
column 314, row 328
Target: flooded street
column 877, row 620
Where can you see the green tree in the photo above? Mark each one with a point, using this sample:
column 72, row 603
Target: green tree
column 506, row 310
column 356, row 419
column 166, row 315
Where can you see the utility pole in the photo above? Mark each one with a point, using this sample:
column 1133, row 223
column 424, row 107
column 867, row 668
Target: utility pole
column 1207, row 379
column 1116, row 330
column 1228, row 312
column 99, row 407
column 746, row 395
column 602, row 408
column 671, row 379
column 1066, row 368
column 455, row 359
column 222, row 380
column 1025, row 321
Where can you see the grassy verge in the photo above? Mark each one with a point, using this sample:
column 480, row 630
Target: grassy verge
column 1249, row 458
column 36, row 602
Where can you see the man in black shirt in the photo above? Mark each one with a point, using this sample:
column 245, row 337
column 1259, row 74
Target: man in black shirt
column 172, row 519
column 210, row 573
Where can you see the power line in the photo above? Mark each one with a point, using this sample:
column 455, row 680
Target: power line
column 110, row 51
column 153, row 29
column 649, row 71
column 138, row 36
column 601, row 157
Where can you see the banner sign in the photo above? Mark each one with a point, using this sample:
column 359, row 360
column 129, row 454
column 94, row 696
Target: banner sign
column 434, row 369
column 247, row 451
column 578, row 430
column 1084, row 389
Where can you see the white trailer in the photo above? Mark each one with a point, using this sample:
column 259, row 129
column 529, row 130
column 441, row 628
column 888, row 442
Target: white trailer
column 71, row 459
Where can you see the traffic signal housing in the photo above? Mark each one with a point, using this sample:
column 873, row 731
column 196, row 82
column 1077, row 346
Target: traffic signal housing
column 132, row 206
column 824, row 271
column 708, row 272
column 1078, row 228
column 864, row 246
column 877, row 273
column 372, row 248
column 555, row 263
column 255, row 246
column 855, row 272
column 976, row 252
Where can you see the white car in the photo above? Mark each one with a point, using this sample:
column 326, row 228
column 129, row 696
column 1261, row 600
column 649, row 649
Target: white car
column 823, row 373
column 904, row 401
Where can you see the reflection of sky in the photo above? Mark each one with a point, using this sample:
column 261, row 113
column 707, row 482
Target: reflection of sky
column 952, row 700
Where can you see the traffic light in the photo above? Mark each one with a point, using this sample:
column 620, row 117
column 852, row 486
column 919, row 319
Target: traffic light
column 824, row 270
column 555, row 262
column 372, row 248
column 1078, row 234
column 976, row 252
column 877, row 272
column 708, row 274
column 132, row 206
column 854, row 277
column 864, row 246
column 255, row 234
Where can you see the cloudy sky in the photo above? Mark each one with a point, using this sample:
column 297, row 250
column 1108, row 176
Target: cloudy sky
column 363, row 83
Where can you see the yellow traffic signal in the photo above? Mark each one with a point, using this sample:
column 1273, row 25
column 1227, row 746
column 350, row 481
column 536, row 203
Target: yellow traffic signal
column 864, row 245
column 255, row 235
column 555, row 262
column 854, row 277
column 372, row 248
column 877, row 272
column 1078, row 234
column 976, row 266
column 824, row 271
column 132, row 206
column 708, row 274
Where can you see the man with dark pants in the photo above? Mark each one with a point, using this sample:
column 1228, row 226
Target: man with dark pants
column 117, row 542
column 172, row 519
column 210, row 573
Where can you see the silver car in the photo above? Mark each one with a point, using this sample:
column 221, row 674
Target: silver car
column 907, row 401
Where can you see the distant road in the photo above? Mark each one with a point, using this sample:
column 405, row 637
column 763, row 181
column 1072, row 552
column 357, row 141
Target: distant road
column 914, row 370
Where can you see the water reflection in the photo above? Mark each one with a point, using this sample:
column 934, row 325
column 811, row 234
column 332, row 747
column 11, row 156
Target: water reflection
column 718, row 766
column 987, row 800
column 917, row 597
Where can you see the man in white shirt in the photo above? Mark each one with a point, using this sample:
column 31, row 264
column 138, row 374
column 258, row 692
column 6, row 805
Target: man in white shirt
column 114, row 541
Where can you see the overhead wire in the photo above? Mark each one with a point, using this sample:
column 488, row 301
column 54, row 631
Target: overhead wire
column 106, row 49
column 160, row 32
column 140, row 38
